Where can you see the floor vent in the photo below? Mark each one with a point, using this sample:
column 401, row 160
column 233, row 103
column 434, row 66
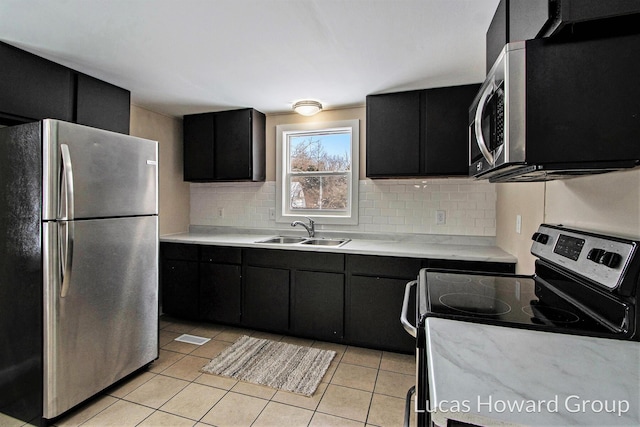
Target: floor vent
column 192, row 339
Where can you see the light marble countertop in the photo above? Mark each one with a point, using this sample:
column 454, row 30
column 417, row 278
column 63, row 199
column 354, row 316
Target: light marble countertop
column 557, row 379
column 428, row 246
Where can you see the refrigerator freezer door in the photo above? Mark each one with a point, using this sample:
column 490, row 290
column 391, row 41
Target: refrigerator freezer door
column 109, row 174
column 106, row 326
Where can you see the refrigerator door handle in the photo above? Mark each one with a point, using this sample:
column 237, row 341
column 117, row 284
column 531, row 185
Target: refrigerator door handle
column 66, row 216
column 66, row 211
column 66, row 254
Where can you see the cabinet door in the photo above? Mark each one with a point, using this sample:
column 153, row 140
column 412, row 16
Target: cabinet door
column 517, row 20
column 446, row 149
column 102, row 105
column 34, row 88
column 198, row 134
column 393, row 134
column 180, row 288
column 232, row 145
column 266, row 299
column 374, row 310
column 317, row 305
column 220, row 292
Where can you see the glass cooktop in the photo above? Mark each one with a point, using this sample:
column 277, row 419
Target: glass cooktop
column 520, row 301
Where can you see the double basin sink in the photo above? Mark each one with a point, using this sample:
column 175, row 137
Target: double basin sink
column 312, row 241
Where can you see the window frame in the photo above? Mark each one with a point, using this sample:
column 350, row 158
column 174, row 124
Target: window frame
column 286, row 215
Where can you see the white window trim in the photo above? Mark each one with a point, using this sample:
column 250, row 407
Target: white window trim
column 320, row 218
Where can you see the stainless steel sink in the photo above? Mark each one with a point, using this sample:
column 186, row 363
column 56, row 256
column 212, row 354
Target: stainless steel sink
column 283, row 240
column 326, row 242
column 293, row 240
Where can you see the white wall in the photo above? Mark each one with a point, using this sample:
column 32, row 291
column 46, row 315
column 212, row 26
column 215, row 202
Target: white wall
column 173, row 191
column 607, row 203
column 386, row 206
column 389, row 206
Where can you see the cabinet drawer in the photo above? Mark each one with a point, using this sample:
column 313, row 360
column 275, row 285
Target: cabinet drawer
column 181, row 251
column 221, row 254
column 318, row 261
column 371, row 265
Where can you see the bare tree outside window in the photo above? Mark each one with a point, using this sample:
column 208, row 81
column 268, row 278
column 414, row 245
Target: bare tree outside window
column 317, row 172
column 319, row 166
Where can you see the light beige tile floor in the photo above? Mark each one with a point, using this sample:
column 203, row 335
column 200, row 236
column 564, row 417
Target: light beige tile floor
column 362, row 387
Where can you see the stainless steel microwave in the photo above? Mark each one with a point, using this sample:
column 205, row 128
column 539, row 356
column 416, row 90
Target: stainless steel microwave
column 550, row 110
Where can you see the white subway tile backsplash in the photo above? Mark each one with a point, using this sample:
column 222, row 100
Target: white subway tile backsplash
column 386, row 206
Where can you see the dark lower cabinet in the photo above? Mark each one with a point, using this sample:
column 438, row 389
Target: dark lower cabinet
column 220, row 293
column 317, row 305
column 266, row 299
column 375, row 295
column 374, row 314
column 180, row 288
column 350, row 299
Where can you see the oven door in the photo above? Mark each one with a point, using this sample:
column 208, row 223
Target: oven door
column 421, row 389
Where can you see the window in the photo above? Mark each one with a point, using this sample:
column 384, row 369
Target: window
column 317, row 172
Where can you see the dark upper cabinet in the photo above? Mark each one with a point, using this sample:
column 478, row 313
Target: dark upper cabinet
column 446, row 146
column 224, row 146
column 517, row 20
column 514, row 20
column 33, row 88
column 102, row 105
column 393, row 134
column 419, row 133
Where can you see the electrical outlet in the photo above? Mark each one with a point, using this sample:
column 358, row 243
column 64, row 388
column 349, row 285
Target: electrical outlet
column 518, row 224
column 272, row 213
column 220, row 212
column 441, row 217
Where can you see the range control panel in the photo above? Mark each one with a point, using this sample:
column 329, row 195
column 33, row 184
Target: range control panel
column 601, row 259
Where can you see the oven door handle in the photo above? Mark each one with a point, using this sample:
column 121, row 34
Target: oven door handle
column 405, row 308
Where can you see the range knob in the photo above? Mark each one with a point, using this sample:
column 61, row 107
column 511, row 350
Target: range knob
column 600, row 256
column 540, row 238
column 611, row 259
column 595, row 255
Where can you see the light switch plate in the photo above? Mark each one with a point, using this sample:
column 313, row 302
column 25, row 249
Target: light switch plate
column 441, row 217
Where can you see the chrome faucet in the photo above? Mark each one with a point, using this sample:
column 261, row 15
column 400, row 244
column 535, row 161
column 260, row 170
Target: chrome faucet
column 310, row 228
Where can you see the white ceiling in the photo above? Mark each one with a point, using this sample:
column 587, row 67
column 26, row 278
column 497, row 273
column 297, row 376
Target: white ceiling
column 189, row 56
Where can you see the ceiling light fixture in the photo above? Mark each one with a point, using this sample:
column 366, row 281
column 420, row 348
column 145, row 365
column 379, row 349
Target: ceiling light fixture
column 307, row 107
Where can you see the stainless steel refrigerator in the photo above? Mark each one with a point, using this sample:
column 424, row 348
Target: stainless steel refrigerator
column 78, row 264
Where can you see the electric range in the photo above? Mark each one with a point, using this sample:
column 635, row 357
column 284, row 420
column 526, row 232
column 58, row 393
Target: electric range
column 585, row 283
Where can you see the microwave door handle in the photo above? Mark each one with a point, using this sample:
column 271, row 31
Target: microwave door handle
column 478, row 125
column 405, row 308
